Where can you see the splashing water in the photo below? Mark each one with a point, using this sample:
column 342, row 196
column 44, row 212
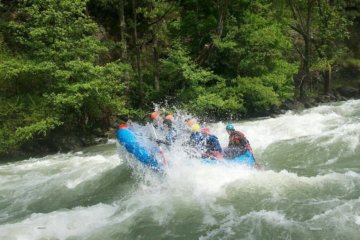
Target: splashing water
column 309, row 188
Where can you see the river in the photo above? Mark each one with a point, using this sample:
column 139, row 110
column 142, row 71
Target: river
column 309, row 187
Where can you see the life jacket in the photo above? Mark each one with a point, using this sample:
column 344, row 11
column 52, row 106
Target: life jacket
column 212, row 143
column 197, row 139
column 238, row 140
column 171, row 136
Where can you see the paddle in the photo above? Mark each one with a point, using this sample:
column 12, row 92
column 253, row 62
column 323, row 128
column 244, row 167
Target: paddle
column 156, row 140
column 257, row 166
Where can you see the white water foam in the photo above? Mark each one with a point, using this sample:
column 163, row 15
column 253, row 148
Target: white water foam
column 316, row 122
column 357, row 220
column 35, row 180
column 76, row 169
column 60, row 224
column 205, row 183
column 255, row 218
column 190, row 183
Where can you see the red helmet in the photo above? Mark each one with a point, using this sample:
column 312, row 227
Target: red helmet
column 123, row 125
column 205, row 130
column 154, row 115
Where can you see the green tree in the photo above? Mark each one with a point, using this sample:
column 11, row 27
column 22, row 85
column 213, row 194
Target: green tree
column 49, row 77
column 244, row 67
column 320, row 27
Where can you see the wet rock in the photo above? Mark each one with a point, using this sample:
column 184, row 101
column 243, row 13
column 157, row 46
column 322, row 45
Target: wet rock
column 310, row 102
column 98, row 132
column 101, row 140
column 348, row 92
column 293, row 105
column 111, row 133
column 67, row 143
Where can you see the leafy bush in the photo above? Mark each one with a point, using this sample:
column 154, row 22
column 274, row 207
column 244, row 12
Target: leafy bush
column 49, row 74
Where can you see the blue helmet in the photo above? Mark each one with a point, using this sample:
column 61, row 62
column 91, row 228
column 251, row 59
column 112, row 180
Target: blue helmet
column 230, row 127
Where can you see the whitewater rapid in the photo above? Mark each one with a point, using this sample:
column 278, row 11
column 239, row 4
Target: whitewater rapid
column 309, row 187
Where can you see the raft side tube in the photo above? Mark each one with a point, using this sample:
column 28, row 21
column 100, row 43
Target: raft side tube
column 135, row 144
column 245, row 159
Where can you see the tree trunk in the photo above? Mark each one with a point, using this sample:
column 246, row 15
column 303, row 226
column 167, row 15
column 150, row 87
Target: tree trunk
column 122, row 31
column 204, row 53
column 327, row 80
column 307, row 49
column 156, row 62
column 123, row 54
column 303, row 27
column 221, row 15
column 306, row 79
column 138, row 55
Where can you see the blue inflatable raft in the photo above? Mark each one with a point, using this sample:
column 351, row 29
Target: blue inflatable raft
column 143, row 150
column 148, row 152
column 246, row 159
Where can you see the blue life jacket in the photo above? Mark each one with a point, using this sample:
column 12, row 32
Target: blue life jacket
column 170, row 136
column 212, row 143
column 197, row 139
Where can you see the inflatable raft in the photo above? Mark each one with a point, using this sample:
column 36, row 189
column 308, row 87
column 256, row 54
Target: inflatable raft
column 142, row 149
column 149, row 154
column 246, row 159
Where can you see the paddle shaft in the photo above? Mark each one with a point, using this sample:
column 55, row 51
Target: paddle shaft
column 156, row 138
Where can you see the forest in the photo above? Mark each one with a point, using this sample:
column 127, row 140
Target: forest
column 77, row 67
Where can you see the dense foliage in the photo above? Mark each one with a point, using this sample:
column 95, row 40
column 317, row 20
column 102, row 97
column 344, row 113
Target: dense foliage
column 49, row 76
column 75, row 66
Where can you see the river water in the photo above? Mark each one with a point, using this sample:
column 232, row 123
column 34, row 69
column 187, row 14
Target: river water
column 309, row 187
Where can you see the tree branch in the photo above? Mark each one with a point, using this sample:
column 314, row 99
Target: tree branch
column 297, row 16
column 298, row 30
column 161, row 17
column 299, row 52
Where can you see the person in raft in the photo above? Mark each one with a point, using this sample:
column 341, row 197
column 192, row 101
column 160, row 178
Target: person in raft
column 212, row 145
column 238, row 143
column 196, row 137
column 169, row 116
column 189, row 122
column 171, row 133
column 156, row 119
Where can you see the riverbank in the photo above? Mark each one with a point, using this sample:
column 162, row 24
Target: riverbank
column 341, row 94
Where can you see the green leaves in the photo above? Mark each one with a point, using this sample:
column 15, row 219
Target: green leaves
column 40, row 128
column 56, row 30
column 247, row 69
column 50, row 76
column 214, row 105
